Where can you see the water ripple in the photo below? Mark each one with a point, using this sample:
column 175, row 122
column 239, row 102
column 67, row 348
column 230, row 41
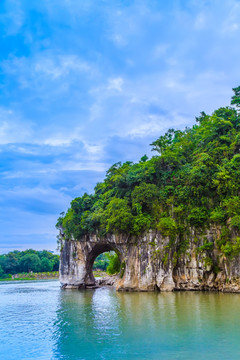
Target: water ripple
column 40, row 321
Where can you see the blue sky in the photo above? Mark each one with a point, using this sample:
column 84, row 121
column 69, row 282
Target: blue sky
column 84, row 84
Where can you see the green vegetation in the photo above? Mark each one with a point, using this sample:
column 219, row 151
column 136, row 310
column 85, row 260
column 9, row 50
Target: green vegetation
column 114, row 264
column 101, row 262
column 31, row 276
column 109, row 262
column 194, row 181
column 28, row 261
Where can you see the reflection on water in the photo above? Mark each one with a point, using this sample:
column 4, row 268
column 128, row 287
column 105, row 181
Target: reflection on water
column 40, row 321
column 89, row 323
column 108, row 325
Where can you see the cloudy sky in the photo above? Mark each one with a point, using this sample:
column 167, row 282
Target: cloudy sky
column 87, row 83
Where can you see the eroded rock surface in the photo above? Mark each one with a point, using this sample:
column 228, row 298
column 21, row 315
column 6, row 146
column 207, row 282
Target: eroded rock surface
column 152, row 263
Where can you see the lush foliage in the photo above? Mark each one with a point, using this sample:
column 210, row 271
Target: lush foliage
column 194, row 181
column 114, row 263
column 29, row 260
column 108, row 261
column 101, row 262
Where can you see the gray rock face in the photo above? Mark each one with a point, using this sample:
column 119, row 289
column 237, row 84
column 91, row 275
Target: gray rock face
column 151, row 263
column 109, row 280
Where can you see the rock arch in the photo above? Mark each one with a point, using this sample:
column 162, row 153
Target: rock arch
column 150, row 263
column 77, row 258
column 141, row 269
column 98, row 249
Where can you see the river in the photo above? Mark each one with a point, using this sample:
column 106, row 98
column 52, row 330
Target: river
column 40, row 321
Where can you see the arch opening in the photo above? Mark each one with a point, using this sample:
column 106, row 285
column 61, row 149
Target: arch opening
column 113, row 260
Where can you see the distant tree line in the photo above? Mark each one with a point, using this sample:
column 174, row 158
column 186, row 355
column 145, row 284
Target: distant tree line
column 29, row 260
column 108, row 261
column 101, row 262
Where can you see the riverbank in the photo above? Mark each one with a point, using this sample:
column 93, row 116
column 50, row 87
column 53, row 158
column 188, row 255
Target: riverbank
column 32, row 276
column 99, row 273
column 44, row 276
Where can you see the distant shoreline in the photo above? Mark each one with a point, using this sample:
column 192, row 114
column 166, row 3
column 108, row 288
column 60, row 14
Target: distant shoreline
column 26, row 279
column 53, row 275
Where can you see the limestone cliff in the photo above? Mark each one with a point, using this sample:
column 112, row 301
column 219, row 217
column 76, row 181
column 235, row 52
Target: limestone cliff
column 151, row 263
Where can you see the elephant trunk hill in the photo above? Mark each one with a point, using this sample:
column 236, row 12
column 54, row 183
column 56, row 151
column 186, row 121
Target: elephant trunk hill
column 173, row 220
column 152, row 265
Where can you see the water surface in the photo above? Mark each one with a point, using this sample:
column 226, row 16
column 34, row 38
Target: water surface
column 38, row 320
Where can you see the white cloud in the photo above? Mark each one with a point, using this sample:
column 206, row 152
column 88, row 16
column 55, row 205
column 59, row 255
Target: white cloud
column 231, row 20
column 150, row 125
column 107, row 88
column 118, row 39
column 130, row 22
column 115, row 84
column 59, row 139
column 48, row 75
column 14, row 17
column 82, row 166
column 56, row 67
column 93, row 149
column 12, row 129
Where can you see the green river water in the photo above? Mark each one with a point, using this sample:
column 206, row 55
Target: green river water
column 38, row 320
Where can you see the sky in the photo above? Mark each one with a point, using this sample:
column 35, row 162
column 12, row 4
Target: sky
column 85, row 84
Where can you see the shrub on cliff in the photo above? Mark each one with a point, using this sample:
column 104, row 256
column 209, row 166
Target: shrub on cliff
column 114, row 264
